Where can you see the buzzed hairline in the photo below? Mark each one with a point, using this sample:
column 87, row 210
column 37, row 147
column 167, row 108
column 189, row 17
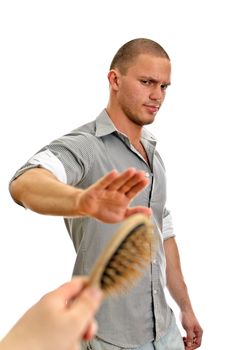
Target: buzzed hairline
column 129, row 52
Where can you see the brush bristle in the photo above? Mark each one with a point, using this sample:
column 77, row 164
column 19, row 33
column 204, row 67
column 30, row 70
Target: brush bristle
column 128, row 263
column 130, row 257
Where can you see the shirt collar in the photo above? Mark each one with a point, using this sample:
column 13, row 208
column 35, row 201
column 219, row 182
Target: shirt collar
column 105, row 126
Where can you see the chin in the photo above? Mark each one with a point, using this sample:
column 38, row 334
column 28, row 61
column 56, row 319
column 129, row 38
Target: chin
column 150, row 120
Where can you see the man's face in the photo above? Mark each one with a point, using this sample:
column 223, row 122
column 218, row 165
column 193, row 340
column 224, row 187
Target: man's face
column 141, row 91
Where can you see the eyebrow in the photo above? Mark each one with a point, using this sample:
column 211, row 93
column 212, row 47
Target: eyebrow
column 153, row 80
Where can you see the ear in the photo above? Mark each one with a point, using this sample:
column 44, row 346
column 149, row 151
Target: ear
column 114, row 79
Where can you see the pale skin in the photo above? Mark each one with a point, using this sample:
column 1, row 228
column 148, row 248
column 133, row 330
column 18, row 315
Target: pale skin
column 135, row 98
column 59, row 321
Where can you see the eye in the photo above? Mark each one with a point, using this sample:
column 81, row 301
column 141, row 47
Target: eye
column 145, row 82
column 164, row 86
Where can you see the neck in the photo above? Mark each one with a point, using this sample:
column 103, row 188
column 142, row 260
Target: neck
column 124, row 124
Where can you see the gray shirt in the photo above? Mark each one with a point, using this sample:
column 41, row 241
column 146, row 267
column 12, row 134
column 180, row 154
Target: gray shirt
column 79, row 159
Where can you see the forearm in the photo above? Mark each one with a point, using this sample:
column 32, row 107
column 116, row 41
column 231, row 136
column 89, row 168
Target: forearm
column 106, row 200
column 175, row 280
column 39, row 190
column 179, row 293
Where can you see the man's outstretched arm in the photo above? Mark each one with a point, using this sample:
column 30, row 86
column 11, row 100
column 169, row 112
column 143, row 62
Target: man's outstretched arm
column 107, row 200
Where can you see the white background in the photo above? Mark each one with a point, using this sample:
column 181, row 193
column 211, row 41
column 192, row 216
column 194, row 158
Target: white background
column 54, row 61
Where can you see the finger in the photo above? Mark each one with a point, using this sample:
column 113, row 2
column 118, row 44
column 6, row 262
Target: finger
column 189, row 345
column 198, row 332
column 114, row 180
column 106, row 180
column 71, row 289
column 197, row 339
column 137, row 188
column 196, row 343
column 126, row 180
column 91, row 330
column 126, row 185
column 75, row 346
column 189, row 341
column 139, row 209
column 84, row 308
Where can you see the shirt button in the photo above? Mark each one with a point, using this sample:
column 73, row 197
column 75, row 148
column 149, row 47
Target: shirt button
column 154, row 261
column 155, row 291
column 147, row 175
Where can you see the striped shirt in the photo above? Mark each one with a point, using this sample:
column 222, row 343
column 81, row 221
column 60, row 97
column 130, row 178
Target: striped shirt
column 79, row 159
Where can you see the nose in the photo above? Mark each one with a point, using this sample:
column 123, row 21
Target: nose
column 156, row 93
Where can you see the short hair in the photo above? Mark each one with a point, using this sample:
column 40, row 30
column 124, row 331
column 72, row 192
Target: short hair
column 132, row 49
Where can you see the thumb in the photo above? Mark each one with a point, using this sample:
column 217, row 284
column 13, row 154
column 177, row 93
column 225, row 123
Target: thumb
column 85, row 307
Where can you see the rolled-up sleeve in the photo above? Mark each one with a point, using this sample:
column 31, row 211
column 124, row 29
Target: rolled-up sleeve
column 168, row 230
column 47, row 160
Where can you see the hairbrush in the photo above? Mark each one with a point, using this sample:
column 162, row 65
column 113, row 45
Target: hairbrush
column 125, row 257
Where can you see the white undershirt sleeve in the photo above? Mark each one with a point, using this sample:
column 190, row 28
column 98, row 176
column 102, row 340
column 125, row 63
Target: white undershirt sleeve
column 49, row 161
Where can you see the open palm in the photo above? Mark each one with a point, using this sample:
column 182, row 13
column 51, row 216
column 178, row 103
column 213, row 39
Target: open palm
column 108, row 199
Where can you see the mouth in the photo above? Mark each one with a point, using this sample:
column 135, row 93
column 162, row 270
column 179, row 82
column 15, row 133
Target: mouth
column 151, row 108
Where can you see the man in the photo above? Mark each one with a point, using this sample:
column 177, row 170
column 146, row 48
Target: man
column 84, row 177
column 59, row 321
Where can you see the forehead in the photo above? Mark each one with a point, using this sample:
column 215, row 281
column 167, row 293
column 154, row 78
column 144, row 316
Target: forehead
column 146, row 65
